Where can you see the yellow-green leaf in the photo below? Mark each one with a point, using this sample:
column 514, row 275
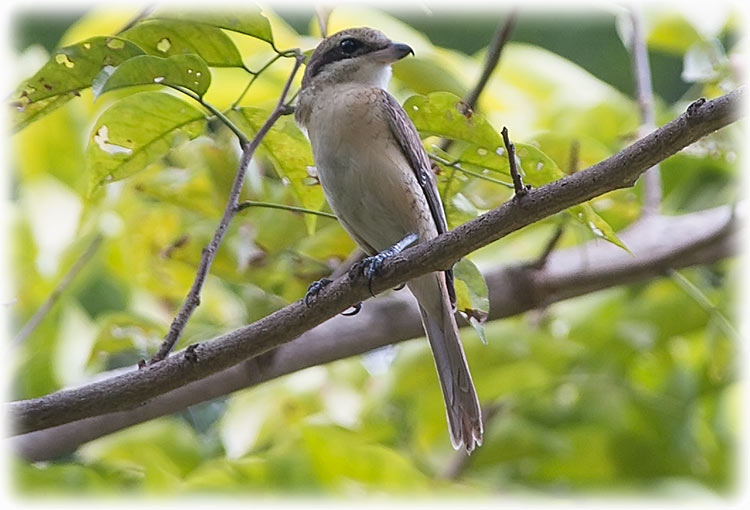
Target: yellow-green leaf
column 164, row 38
column 472, row 295
column 187, row 71
column 291, row 156
column 248, row 21
column 137, row 131
column 69, row 70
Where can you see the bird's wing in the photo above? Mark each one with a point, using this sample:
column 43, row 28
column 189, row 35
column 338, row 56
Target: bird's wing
column 411, row 145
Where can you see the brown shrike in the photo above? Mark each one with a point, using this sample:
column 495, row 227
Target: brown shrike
column 377, row 179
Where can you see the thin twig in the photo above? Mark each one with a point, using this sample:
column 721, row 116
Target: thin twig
column 541, row 261
column 457, row 166
column 65, row 281
column 490, row 63
column 145, row 12
column 256, row 74
column 694, row 292
column 518, row 185
column 492, row 58
column 218, row 113
column 209, row 252
column 652, row 188
column 574, row 156
column 270, row 205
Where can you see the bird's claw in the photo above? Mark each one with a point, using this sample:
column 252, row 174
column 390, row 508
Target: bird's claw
column 314, row 289
column 370, row 266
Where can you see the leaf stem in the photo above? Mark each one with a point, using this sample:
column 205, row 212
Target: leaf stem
column 215, row 111
column 694, row 292
column 457, row 166
column 270, row 205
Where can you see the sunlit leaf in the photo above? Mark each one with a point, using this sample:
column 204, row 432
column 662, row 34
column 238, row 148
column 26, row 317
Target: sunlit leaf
column 671, row 32
column 291, row 155
column 136, row 131
column 165, row 38
column 472, row 295
column 445, row 114
column 248, row 20
column 69, row 70
column 187, row 71
column 704, row 62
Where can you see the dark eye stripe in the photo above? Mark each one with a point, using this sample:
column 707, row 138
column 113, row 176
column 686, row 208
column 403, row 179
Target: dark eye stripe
column 337, row 53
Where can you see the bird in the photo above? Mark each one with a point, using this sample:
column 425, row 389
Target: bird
column 377, row 179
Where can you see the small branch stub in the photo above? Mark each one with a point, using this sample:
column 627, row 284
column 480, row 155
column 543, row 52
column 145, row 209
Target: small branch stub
column 518, row 185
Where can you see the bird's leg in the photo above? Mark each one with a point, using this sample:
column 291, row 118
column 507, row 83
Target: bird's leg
column 371, row 265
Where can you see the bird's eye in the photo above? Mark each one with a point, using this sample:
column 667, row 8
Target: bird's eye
column 349, row 45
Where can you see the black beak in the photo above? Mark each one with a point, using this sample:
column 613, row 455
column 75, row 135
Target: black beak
column 401, row 50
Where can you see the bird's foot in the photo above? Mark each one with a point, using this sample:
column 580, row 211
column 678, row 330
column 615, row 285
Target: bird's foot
column 370, row 266
column 314, row 289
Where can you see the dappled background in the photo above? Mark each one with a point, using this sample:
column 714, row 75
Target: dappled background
column 631, row 389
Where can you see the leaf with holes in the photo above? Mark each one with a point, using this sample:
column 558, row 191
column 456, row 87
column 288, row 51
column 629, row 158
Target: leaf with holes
column 137, row 131
column 248, row 21
column 70, row 70
column 446, row 115
column 165, row 38
column 472, row 295
column 188, row 71
column 290, row 153
column 538, row 169
column 535, row 167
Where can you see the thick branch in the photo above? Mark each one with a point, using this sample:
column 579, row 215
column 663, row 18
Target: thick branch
column 134, row 388
column 659, row 244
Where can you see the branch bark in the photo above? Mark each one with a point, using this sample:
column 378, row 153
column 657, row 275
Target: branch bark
column 658, row 243
column 132, row 389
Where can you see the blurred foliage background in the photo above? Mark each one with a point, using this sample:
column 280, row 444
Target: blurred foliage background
column 629, row 390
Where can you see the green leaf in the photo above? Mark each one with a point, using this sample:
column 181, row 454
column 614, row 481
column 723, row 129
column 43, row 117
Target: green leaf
column 291, row 154
column 188, row 71
column 445, row 114
column 472, row 295
column 70, row 70
column 248, row 21
column 538, row 169
column 137, row 131
column 165, row 38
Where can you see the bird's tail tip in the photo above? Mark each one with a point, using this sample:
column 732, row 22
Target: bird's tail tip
column 466, row 431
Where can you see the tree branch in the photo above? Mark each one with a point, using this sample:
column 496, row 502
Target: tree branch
column 645, row 96
column 658, row 243
column 133, row 388
column 65, row 281
column 209, row 252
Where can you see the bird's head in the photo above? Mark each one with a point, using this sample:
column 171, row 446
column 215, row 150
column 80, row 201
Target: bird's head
column 359, row 55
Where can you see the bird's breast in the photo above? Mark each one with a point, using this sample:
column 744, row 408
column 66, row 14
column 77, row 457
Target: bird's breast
column 366, row 178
